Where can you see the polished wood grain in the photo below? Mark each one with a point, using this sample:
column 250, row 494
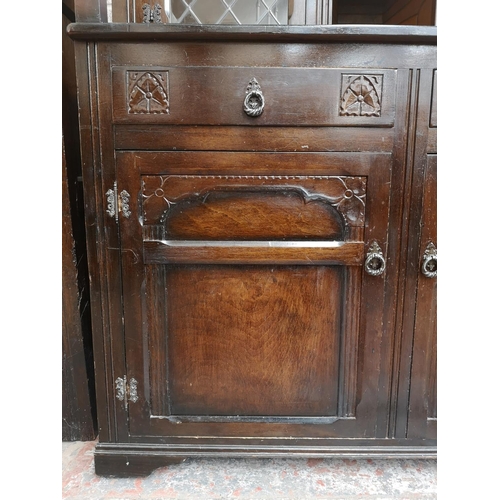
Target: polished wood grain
column 250, row 164
column 253, row 252
column 261, row 215
column 224, row 138
column 253, row 340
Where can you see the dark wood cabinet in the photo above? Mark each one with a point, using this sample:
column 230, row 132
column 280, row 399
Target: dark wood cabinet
column 261, row 235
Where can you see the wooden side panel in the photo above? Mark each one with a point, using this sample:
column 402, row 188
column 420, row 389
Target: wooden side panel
column 78, row 414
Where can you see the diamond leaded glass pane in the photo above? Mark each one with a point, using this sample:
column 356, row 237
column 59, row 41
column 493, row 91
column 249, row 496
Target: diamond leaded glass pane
column 227, row 11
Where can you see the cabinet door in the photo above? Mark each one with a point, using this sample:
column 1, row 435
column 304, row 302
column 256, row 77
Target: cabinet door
column 418, row 373
column 422, row 418
column 248, row 311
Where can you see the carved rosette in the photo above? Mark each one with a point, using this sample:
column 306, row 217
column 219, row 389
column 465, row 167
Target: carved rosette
column 352, row 203
column 346, row 194
column 361, row 95
column 148, row 92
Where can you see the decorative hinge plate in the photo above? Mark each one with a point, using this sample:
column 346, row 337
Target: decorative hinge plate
column 126, row 391
column 117, row 202
column 112, row 200
column 151, row 14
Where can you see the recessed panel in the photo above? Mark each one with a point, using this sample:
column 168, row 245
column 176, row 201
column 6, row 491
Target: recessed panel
column 253, row 215
column 253, row 340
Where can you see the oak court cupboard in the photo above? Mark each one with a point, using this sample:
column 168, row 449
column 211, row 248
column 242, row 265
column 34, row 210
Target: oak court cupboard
column 261, row 233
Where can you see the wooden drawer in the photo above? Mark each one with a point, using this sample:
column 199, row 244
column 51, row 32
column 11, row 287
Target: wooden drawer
column 282, row 96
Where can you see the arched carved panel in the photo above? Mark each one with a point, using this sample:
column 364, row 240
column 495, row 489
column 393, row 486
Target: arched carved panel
column 255, row 215
column 254, row 207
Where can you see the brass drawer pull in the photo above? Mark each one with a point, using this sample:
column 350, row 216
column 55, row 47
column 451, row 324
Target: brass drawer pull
column 430, row 261
column 375, row 262
column 254, row 102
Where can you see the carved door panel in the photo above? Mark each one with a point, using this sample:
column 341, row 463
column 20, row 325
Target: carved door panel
column 248, row 311
column 422, row 420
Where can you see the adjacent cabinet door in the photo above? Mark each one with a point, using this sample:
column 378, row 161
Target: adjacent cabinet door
column 418, row 395
column 254, row 293
column 422, row 407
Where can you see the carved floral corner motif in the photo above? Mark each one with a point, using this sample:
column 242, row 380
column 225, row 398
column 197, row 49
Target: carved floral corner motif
column 352, row 204
column 148, row 92
column 361, row 95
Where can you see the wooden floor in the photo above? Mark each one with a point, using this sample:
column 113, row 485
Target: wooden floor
column 270, row 479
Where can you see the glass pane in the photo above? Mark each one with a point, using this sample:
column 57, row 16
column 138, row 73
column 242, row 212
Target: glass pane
column 227, row 11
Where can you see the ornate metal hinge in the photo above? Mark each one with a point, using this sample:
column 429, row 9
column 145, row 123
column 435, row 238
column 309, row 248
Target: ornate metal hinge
column 126, row 392
column 117, row 202
column 151, row 14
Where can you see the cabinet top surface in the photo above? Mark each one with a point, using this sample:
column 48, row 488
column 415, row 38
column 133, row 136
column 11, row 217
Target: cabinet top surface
column 338, row 33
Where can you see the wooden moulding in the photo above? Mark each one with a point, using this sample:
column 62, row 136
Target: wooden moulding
column 126, row 460
column 340, row 33
column 253, row 252
column 224, row 138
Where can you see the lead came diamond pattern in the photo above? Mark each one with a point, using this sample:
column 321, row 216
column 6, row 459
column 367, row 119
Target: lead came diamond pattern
column 227, row 11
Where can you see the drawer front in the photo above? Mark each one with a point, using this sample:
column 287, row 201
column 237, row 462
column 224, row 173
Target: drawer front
column 253, row 96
